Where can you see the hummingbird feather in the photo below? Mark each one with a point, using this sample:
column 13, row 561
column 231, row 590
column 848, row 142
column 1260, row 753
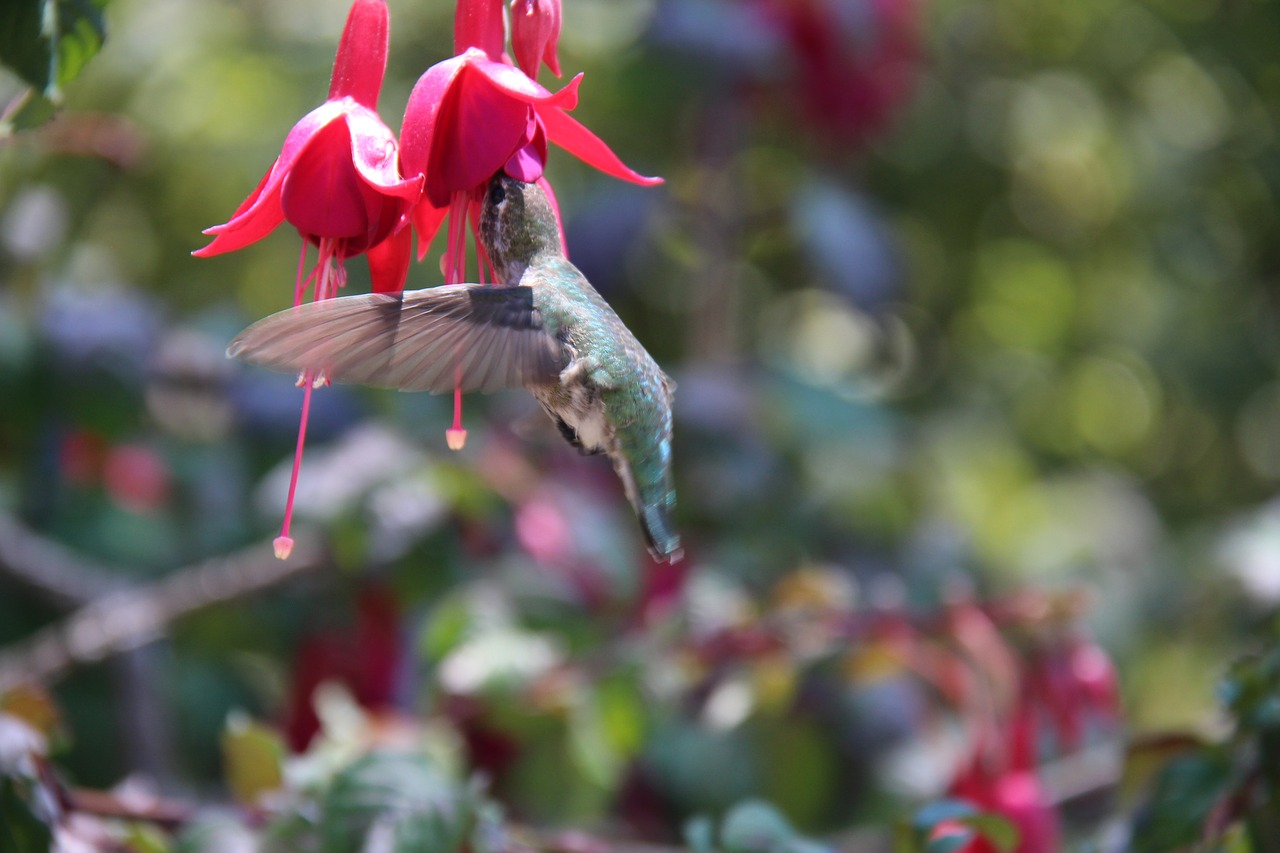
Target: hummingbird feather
column 422, row 340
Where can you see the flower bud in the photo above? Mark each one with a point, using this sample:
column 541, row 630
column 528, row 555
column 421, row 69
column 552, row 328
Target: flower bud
column 535, row 32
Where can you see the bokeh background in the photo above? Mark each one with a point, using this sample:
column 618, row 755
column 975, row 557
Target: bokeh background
column 968, row 301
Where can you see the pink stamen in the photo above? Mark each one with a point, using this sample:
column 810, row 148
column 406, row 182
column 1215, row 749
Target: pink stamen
column 329, row 275
column 454, row 267
column 284, row 544
column 456, row 436
column 455, row 257
column 300, row 283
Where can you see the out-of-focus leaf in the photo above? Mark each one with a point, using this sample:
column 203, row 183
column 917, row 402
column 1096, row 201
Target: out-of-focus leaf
column 21, row 831
column 622, row 713
column 253, row 755
column 33, row 705
column 1184, row 794
column 699, row 834
column 962, row 821
column 489, row 834
column 930, row 815
column 951, row 842
column 446, row 628
column 215, row 834
column 147, row 838
column 33, row 111
column 400, row 800
column 758, row 827
column 805, row 791
column 995, row 829
column 48, row 42
column 590, row 746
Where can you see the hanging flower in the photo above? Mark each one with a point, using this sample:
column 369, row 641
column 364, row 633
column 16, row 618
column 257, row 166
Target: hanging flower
column 470, row 117
column 337, row 181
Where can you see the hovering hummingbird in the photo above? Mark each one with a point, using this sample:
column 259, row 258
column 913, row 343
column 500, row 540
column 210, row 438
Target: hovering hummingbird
column 544, row 328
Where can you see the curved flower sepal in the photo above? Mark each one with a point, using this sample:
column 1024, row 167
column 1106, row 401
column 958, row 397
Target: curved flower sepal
column 336, row 178
column 389, row 260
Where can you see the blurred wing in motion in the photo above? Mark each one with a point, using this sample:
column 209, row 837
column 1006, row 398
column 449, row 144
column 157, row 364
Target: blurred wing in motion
column 483, row 338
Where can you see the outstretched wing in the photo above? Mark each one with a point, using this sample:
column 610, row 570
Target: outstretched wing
column 483, row 338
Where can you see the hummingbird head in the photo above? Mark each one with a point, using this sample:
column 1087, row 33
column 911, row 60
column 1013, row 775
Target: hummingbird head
column 517, row 224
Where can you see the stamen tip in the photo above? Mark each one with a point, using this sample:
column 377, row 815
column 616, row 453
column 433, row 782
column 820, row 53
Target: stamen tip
column 455, row 438
column 283, row 546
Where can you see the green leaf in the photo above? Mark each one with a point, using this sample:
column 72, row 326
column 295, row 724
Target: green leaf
column 48, row 42
column 20, row 830
column 253, row 755
column 589, row 745
column 995, row 828
column 755, row 826
column 402, row 798
column 1186, row 791
column 147, row 838
column 950, row 842
column 215, row 835
column 699, row 835
column 932, row 814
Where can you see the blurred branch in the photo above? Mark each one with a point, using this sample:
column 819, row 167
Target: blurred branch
column 127, row 618
column 51, row 571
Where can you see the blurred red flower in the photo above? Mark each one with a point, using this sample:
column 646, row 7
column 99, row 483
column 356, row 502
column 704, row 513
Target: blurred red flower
column 853, row 60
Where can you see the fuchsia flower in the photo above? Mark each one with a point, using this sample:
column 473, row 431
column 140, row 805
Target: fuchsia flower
column 337, row 181
column 475, row 115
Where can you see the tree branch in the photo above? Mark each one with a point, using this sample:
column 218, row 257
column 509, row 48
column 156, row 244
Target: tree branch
column 129, row 617
column 49, row 570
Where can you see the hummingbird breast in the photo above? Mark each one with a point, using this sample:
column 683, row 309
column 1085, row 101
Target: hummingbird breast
column 576, row 402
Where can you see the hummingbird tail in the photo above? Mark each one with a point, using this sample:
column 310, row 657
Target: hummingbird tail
column 660, row 532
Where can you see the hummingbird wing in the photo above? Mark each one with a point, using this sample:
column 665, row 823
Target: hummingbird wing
column 478, row 337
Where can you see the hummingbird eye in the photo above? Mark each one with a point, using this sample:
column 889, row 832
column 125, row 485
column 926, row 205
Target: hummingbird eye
column 497, row 195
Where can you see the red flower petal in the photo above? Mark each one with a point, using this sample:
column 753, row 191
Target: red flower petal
column 422, row 112
column 478, row 127
column 573, row 136
column 389, row 261
column 361, row 60
column 322, row 195
column 235, row 235
column 426, row 221
column 374, row 154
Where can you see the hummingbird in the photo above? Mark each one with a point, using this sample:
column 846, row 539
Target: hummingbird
column 542, row 327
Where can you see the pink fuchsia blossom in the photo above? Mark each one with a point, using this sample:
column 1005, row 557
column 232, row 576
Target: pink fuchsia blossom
column 471, row 116
column 337, row 181
column 337, row 178
column 535, row 34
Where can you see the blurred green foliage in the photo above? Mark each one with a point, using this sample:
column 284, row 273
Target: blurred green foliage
column 1024, row 331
